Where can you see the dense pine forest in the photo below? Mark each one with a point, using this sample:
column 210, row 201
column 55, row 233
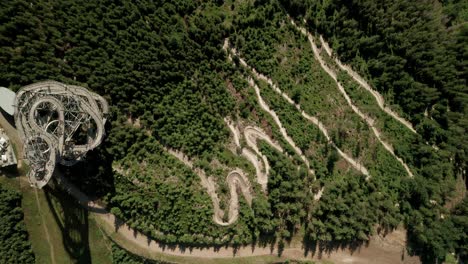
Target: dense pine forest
column 14, row 244
column 170, row 85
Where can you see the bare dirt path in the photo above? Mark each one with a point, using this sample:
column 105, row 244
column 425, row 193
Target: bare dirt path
column 333, row 75
column 275, row 117
column 261, row 170
column 358, row 166
column 251, row 135
column 272, row 113
column 234, row 179
column 364, row 84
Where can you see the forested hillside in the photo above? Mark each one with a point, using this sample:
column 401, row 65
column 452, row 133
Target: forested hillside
column 415, row 53
column 187, row 81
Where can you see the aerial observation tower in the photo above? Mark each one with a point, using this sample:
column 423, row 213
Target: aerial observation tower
column 57, row 123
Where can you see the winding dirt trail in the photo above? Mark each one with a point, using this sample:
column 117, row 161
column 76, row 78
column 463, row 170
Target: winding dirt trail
column 333, row 75
column 272, row 113
column 358, row 166
column 251, row 135
column 364, row 84
column 235, row 179
column 261, row 170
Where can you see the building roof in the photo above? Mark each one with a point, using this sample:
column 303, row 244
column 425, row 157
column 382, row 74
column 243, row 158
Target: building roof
column 7, row 100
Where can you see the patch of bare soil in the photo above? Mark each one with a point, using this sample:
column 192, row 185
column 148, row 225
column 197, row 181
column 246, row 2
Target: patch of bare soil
column 382, row 250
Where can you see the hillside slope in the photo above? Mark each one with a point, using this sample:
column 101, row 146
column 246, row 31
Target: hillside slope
column 236, row 123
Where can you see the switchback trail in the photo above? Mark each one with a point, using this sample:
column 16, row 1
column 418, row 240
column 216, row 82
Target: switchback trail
column 135, row 240
column 385, row 250
column 333, row 75
column 251, row 135
column 275, row 117
column 364, row 84
column 358, row 166
column 234, row 179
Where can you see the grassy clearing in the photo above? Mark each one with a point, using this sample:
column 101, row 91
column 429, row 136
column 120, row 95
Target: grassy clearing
column 73, row 236
column 81, row 238
column 100, row 244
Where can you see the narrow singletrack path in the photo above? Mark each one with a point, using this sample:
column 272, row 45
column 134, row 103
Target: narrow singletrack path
column 333, row 75
column 133, row 239
column 283, row 131
column 251, row 135
column 358, row 166
column 272, row 113
column 234, row 179
column 364, row 84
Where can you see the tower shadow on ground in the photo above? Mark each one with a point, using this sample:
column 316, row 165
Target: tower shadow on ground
column 72, row 220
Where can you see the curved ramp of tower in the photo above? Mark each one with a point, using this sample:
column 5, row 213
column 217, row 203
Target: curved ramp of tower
column 57, row 123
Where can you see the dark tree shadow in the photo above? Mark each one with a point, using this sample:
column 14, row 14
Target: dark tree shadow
column 310, row 246
column 314, row 248
column 265, row 240
column 72, row 220
column 317, row 249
